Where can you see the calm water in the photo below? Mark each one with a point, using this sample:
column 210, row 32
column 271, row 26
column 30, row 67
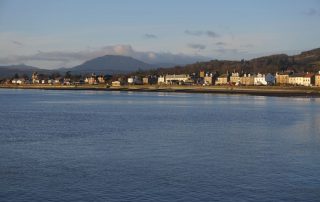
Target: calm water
column 122, row 146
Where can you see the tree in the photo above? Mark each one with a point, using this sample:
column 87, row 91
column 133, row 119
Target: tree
column 25, row 76
column 16, row 76
column 67, row 75
column 55, row 75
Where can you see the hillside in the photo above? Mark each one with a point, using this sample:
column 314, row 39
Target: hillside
column 11, row 70
column 308, row 61
column 110, row 64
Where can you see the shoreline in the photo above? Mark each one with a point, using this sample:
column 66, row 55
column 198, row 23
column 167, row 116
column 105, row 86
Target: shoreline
column 280, row 91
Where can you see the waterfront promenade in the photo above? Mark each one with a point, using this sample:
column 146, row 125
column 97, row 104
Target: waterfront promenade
column 249, row 90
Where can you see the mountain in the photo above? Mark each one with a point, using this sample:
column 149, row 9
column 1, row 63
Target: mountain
column 308, row 61
column 110, row 64
column 11, row 70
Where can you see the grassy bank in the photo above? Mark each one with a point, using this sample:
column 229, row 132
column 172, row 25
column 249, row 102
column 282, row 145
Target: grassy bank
column 250, row 90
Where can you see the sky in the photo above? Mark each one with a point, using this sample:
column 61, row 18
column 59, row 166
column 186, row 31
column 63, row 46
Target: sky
column 53, row 34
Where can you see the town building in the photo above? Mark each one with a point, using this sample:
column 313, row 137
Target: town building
column 247, row 80
column 35, row 78
column 309, row 80
column 145, row 80
column 296, row 79
column 270, row 79
column 58, row 80
column 235, row 78
column 92, row 80
column 317, row 79
column 260, row 80
column 282, row 78
column 208, row 80
column 222, row 79
column 177, row 78
column 67, row 81
column 161, row 80
column 18, row 81
column 135, row 80
column 116, row 83
column 202, row 74
column 101, row 79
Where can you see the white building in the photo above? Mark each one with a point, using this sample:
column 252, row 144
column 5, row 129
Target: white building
column 116, row 83
column 260, row 79
column 222, row 79
column 134, row 80
column 58, row 80
column 309, row 79
column 235, row 78
column 297, row 79
column 177, row 78
column 18, row 81
column 21, row 81
column 130, row 80
column 161, row 80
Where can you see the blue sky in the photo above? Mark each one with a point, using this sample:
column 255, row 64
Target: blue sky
column 53, row 34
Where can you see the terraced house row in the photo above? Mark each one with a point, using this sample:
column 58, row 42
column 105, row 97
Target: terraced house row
column 235, row 78
column 298, row 79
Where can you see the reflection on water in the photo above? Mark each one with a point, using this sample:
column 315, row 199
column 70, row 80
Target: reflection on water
column 130, row 146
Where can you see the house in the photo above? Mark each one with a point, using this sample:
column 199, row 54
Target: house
column 66, row 81
column 309, row 80
column 18, row 81
column 270, row 79
column 296, row 79
column 101, row 79
column 58, row 80
column 208, row 79
column 92, row 80
column 145, row 80
column 135, row 80
column 235, row 78
column 223, row 79
column 116, row 84
column 247, row 79
column 177, row 78
column 35, row 78
column 130, row 80
column 282, row 78
column 201, row 74
column 317, row 79
column 260, row 79
column 14, row 81
column 161, row 80
column 150, row 80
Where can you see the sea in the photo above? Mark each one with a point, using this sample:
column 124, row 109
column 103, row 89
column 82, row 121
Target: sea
column 156, row 146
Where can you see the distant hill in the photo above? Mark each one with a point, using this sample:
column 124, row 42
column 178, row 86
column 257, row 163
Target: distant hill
column 11, row 70
column 110, row 64
column 308, row 61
